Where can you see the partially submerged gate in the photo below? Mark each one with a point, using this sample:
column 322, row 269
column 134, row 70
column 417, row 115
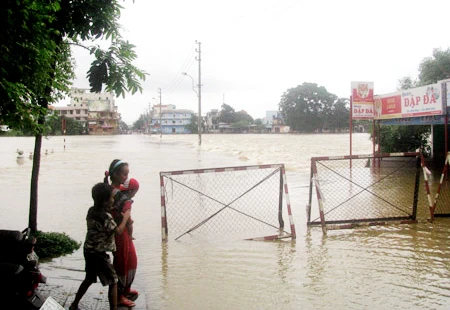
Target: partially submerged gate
column 363, row 189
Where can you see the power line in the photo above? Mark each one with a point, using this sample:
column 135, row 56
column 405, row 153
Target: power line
column 275, row 9
column 178, row 78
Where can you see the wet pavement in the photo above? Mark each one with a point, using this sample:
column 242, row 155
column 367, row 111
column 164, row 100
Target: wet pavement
column 62, row 285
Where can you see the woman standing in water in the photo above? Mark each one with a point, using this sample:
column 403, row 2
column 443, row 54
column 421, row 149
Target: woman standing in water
column 125, row 259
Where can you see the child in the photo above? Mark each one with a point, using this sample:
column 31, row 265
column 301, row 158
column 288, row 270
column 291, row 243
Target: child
column 125, row 258
column 101, row 228
column 129, row 188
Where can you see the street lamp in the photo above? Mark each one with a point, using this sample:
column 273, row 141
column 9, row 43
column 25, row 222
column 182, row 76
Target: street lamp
column 199, row 122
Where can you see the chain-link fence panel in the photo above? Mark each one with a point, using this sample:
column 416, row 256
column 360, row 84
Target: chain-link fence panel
column 235, row 202
column 364, row 189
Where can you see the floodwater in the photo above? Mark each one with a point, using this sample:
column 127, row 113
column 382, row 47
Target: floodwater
column 390, row 267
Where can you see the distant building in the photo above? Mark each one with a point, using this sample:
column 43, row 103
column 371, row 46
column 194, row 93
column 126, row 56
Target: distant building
column 274, row 122
column 96, row 111
column 168, row 120
column 212, row 121
column 278, row 125
column 77, row 112
column 268, row 120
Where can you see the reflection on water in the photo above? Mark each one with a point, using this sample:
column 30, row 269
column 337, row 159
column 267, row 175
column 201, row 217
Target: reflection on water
column 390, row 267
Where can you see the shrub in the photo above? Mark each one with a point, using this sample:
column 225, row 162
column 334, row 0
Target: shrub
column 52, row 244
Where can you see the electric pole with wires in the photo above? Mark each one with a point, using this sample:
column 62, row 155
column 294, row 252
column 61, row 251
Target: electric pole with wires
column 199, row 59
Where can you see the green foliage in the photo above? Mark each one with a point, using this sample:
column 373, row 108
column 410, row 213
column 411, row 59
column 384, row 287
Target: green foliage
column 29, row 57
column 260, row 127
column 52, row 244
column 140, row 123
column 406, row 83
column 36, row 67
column 243, row 117
column 113, row 68
column 226, row 115
column 123, row 126
column 404, row 139
column 54, row 126
column 240, row 124
column 13, row 133
column 309, row 108
column 193, row 126
column 435, row 68
column 235, row 119
column 431, row 70
column 339, row 115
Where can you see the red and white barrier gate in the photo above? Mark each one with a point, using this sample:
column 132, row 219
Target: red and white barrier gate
column 364, row 189
column 246, row 202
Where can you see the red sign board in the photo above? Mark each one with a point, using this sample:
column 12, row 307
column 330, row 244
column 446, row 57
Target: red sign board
column 362, row 100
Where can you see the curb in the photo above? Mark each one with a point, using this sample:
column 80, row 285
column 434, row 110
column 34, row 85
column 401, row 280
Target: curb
column 63, row 283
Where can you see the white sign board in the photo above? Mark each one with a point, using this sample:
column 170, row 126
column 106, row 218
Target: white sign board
column 51, row 304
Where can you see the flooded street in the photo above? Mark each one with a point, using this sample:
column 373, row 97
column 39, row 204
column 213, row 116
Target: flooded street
column 389, row 267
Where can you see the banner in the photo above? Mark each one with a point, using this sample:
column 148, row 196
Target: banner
column 362, row 100
column 414, row 102
column 387, row 106
column 98, row 106
column 421, row 120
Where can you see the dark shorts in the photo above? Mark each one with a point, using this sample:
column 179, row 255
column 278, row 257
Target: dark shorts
column 99, row 265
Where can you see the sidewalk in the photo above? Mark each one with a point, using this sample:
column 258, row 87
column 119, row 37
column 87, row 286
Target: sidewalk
column 62, row 284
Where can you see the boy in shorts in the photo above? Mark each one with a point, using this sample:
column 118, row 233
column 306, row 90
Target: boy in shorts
column 101, row 228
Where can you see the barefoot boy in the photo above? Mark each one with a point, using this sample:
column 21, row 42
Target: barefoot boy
column 101, row 228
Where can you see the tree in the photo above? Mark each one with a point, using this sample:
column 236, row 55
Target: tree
column 226, row 115
column 404, row 139
column 37, row 68
column 435, row 68
column 339, row 116
column 193, row 125
column 306, row 107
column 431, row 70
column 54, row 126
column 229, row 116
column 243, row 117
column 140, row 123
column 123, row 127
column 30, row 59
column 259, row 125
column 406, row 83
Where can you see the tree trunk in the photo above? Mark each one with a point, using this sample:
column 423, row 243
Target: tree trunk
column 32, row 217
column 32, row 220
column 43, row 102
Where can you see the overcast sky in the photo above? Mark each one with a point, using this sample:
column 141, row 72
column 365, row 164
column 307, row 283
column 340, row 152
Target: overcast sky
column 252, row 51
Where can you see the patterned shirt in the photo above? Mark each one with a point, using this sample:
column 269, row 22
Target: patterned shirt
column 100, row 232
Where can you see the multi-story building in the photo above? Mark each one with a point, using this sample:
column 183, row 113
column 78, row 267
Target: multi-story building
column 278, row 125
column 212, row 121
column 168, row 120
column 77, row 112
column 268, row 120
column 97, row 111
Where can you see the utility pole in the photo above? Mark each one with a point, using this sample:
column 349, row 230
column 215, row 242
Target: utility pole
column 160, row 114
column 199, row 59
column 149, row 118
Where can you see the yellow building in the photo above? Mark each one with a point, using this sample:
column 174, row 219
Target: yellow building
column 97, row 111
